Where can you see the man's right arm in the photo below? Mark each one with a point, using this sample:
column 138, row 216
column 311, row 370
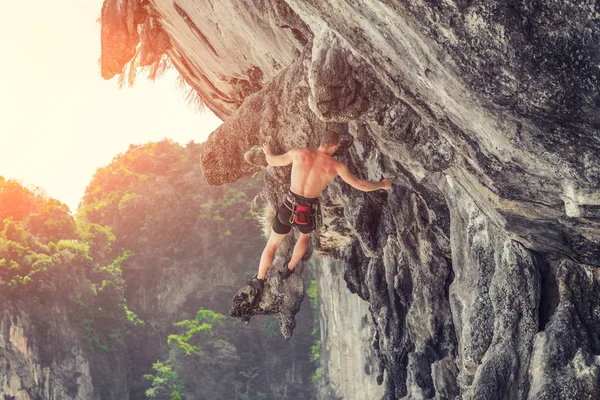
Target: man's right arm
column 361, row 184
column 280, row 160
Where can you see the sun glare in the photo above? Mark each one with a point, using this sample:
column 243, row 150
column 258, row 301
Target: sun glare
column 60, row 120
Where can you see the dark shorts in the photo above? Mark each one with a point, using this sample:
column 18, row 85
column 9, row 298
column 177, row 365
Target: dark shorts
column 284, row 220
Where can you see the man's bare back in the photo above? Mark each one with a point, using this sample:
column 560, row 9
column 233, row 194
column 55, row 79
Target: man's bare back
column 313, row 170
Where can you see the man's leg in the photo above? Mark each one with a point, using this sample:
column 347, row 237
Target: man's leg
column 268, row 253
column 299, row 250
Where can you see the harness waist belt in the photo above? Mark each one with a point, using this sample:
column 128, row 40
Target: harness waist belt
column 294, row 198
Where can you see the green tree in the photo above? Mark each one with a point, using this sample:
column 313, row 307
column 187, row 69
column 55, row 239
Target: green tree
column 165, row 383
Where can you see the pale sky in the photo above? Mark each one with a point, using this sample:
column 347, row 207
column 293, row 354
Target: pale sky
column 59, row 120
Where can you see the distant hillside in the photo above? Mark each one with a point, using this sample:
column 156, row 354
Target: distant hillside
column 192, row 245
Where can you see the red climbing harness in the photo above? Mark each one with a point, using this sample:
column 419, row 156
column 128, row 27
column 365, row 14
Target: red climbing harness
column 303, row 212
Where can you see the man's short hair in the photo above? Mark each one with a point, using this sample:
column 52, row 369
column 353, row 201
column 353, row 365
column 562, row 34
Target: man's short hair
column 330, row 138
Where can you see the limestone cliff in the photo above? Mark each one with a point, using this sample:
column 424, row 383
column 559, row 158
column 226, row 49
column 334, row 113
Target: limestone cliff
column 480, row 267
column 33, row 370
column 49, row 347
column 348, row 360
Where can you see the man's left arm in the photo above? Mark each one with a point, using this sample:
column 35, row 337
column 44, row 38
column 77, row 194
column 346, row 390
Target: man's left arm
column 277, row 160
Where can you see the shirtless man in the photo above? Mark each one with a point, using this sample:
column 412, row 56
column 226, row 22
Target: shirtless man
column 312, row 171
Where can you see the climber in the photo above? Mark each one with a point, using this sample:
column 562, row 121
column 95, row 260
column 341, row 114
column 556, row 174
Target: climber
column 312, row 171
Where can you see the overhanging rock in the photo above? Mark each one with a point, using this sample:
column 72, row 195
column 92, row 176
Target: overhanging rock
column 486, row 117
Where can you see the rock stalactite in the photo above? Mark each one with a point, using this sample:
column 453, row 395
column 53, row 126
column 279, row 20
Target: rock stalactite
column 480, row 267
column 280, row 298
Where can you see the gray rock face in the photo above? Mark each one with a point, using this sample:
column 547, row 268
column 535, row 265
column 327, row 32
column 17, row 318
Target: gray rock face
column 42, row 357
column 480, row 267
column 346, row 334
column 564, row 357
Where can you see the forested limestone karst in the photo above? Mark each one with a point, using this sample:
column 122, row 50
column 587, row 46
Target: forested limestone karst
column 128, row 298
